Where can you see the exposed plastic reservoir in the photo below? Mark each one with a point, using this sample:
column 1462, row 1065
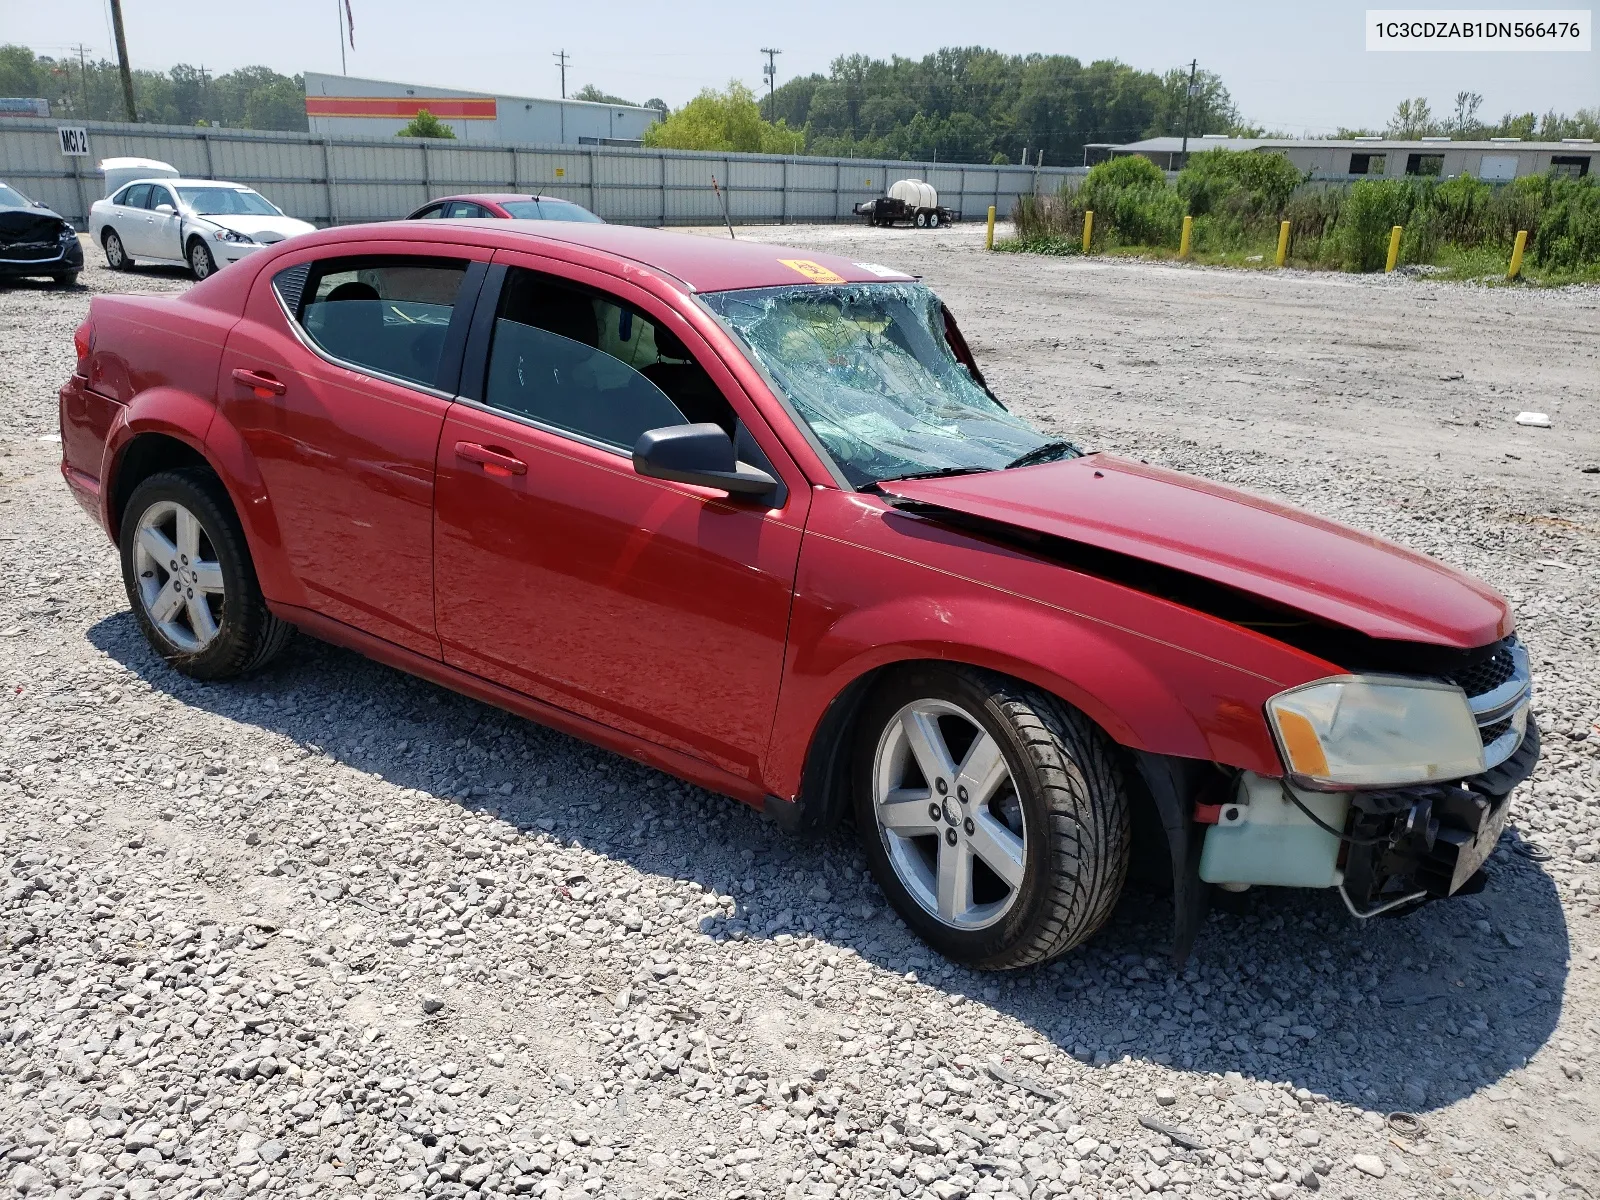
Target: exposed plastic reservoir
column 1263, row 838
column 915, row 193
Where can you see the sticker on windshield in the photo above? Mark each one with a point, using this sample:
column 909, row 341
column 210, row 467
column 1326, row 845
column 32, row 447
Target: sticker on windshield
column 813, row 271
column 881, row 271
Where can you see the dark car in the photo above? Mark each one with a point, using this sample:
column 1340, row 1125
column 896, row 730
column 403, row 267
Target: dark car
column 505, row 206
column 35, row 241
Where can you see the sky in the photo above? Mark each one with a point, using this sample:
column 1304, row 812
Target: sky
column 1298, row 67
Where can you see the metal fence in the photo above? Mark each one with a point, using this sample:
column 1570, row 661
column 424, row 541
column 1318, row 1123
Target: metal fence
column 332, row 181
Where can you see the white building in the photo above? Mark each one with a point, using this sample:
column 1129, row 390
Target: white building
column 343, row 106
column 1494, row 160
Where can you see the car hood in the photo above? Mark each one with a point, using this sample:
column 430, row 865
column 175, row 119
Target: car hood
column 262, row 229
column 29, row 225
column 1268, row 550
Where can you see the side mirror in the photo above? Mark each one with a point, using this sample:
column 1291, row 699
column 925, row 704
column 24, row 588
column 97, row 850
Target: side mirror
column 702, row 455
column 165, row 208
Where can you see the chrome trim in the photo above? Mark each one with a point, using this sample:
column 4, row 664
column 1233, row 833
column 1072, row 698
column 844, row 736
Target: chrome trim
column 1501, row 702
column 1512, row 700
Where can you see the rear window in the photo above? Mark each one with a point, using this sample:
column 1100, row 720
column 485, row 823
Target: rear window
column 549, row 210
column 389, row 316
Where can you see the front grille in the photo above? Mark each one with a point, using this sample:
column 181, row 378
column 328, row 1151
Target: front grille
column 30, row 251
column 1486, row 674
column 1489, row 733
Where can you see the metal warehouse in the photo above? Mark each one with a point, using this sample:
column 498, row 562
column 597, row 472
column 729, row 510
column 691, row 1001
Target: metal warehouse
column 1494, row 160
column 343, row 106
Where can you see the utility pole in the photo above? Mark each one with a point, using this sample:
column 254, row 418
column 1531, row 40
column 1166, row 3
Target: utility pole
column 561, row 57
column 83, row 76
column 1188, row 108
column 771, row 72
column 122, row 59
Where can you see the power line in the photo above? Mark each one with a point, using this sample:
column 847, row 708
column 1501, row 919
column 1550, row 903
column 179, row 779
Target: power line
column 561, row 57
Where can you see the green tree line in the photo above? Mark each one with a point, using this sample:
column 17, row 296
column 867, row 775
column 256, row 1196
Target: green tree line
column 251, row 97
column 971, row 104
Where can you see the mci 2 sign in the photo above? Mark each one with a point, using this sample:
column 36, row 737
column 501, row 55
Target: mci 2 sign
column 74, row 140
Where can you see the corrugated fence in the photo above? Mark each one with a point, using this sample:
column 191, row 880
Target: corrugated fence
column 333, row 181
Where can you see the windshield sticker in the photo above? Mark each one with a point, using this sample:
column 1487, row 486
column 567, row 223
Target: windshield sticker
column 813, row 271
column 882, row 272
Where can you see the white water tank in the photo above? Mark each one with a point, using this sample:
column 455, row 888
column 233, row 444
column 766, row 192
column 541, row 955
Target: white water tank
column 915, row 192
column 118, row 171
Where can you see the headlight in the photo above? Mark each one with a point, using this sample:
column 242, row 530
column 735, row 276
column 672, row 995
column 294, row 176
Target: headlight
column 228, row 235
column 68, row 234
column 1375, row 731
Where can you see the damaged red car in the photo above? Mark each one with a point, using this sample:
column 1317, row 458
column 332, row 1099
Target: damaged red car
column 753, row 516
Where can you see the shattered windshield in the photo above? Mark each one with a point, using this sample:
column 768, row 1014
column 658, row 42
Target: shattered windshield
column 868, row 367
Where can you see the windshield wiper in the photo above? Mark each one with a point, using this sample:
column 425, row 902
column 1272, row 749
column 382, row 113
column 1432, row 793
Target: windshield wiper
column 939, row 473
column 1049, row 452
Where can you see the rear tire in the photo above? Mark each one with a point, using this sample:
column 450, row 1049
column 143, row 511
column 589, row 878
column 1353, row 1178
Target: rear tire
column 190, row 581
column 1054, row 816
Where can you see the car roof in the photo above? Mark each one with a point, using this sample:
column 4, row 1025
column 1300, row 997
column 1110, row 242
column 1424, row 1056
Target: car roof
column 179, row 182
column 704, row 263
column 496, row 197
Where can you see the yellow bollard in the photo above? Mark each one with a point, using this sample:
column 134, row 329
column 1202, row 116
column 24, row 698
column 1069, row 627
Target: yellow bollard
column 1283, row 242
column 1088, row 229
column 1516, row 254
column 1183, row 243
column 988, row 238
column 1394, row 249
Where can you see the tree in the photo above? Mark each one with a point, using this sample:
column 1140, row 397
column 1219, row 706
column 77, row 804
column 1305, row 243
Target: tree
column 657, row 103
column 1412, row 119
column 729, row 120
column 1465, row 123
column 593, row 94
column 426, row 125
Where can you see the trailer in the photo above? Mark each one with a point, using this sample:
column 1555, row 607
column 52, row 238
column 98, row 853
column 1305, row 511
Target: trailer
column 908, row 200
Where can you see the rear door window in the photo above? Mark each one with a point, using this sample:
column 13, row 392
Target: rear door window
column 464, row 208
column 389, row 316
column 136, row 196
column 583, row 362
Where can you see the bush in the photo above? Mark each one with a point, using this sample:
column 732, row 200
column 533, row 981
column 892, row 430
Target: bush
column 729, row 120
column 1131, row 201
column 1370, row 210
column 425, row 124
column 1249, row 184
column 1569, row 228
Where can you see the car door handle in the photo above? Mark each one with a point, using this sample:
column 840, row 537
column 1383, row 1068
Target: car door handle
column 492, row 461
column 262, row 384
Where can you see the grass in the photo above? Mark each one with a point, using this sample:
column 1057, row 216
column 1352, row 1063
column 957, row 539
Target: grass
column 1461, row 225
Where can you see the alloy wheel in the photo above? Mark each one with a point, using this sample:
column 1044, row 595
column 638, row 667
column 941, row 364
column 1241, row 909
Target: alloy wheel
column 116, row 257
column 180, row 579
column 949, row 815
column 200, row 260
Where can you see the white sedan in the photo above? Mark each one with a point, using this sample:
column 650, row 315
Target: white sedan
column 203, row 223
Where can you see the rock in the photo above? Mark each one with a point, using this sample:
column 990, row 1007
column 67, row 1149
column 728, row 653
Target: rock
column 1166, row 1097
column 1370, row 1164
column 1559, row 1156
column 26, row 1179
column 431, row 1003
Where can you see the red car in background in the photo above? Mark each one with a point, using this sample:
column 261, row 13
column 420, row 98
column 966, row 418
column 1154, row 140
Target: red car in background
column 753, row 516
column 505, row 206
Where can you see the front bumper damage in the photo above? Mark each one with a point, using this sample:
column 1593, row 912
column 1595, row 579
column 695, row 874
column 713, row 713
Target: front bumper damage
column 1429, row 841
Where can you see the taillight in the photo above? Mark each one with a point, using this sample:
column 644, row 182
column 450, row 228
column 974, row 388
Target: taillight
column 83, row 342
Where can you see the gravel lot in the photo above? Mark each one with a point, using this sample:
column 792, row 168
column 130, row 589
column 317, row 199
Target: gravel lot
column 335, row 931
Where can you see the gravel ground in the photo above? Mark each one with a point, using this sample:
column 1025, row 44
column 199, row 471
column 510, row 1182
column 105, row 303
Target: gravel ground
column 334, row 931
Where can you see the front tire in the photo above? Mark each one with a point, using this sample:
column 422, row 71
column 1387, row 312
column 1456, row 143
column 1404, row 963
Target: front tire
column 190, row 580
column 994, row 815
column 201, row 265
column 66, row 279
column 116, row 255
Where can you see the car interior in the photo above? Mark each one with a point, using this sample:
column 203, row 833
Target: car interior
column 582, row 361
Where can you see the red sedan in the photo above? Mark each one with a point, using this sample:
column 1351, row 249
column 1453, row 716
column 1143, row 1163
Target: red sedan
column 754, row 517
column 505, row 206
